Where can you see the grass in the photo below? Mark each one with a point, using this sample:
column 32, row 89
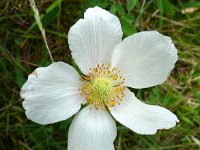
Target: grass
column 22, row 50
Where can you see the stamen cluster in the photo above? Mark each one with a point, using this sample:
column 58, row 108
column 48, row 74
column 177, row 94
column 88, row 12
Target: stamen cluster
column 103, row 87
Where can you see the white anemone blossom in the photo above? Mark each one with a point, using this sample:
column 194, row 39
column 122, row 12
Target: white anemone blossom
column 109, row 65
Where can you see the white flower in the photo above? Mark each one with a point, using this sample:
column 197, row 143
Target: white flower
column 142, row 60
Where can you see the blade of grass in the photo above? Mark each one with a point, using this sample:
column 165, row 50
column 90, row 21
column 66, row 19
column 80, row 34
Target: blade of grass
column 39, row 23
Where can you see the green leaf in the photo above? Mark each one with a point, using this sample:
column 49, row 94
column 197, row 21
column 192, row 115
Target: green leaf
column 192, row 3
column 92, row 3
column 168, row 8
column 20, row 78
column 127, row 27
column 113, row 9
column 131, row 4
column 119, row 8
column 160, row 7
column 129, row 18
column 51, row 13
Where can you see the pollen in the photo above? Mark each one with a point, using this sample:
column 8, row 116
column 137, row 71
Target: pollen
column 103, row 87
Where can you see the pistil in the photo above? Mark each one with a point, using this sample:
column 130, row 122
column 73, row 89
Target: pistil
column 103, row 87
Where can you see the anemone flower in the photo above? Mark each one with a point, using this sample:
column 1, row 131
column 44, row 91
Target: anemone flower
column 109, row 65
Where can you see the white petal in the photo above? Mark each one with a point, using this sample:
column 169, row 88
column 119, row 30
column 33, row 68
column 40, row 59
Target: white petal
column 92, row 39
column 51, row 93
column 92, row 129
column 145, row 59
column 142, row 118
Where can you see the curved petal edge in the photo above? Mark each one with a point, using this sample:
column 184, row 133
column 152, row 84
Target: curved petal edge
column 51, row 93
column 145, row 59
column 142, row 118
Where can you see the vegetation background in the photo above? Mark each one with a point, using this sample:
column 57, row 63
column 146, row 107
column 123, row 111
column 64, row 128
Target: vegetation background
column 22, row 50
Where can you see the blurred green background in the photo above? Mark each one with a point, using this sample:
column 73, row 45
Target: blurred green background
column 22, row 50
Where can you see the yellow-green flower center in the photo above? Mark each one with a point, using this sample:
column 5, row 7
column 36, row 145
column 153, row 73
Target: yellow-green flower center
column 101, row 88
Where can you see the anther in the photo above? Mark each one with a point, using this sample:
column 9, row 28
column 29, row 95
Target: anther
column 103, row 87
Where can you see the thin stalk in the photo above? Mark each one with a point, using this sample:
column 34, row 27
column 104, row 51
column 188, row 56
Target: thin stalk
column 39, row 23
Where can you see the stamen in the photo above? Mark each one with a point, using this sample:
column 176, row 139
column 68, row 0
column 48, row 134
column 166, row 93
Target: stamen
column 103, row 87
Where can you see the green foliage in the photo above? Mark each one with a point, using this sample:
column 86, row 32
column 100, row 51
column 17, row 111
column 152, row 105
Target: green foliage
column 131, row 4
column 50, row 15
column 165, row 7
column 22, row 51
